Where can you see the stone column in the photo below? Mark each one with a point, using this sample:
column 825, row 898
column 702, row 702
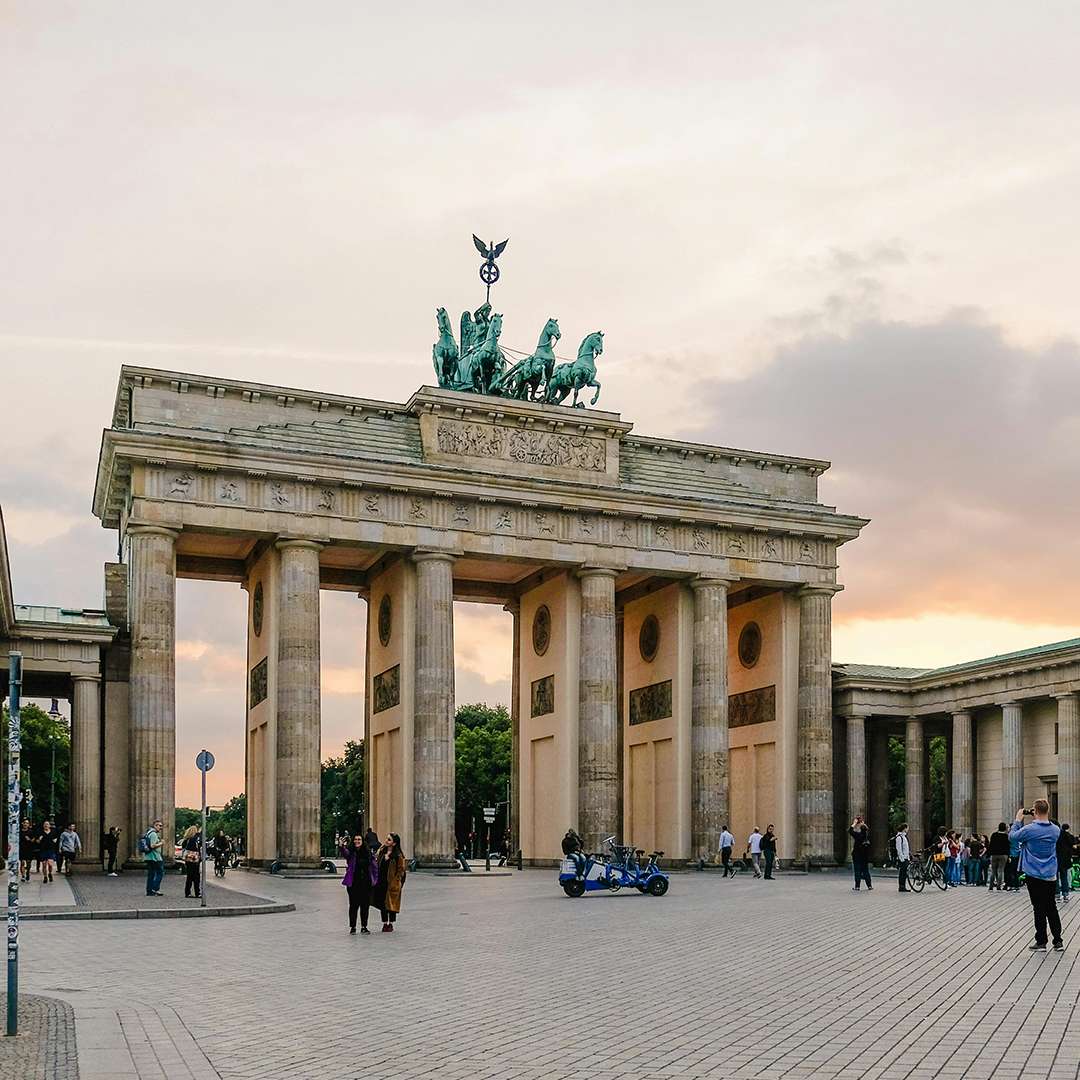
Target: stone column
column 152, row 686
column 814, row 802
column 433, row 714
column 856, row 767
column 878, row 793
column 298, row 705
column 915, row 790
column 598, row 773
column 1012, row 759
column 86, row 766
column 709, row 718
column 1069, row 760
column 963, row 774
column 514, row 814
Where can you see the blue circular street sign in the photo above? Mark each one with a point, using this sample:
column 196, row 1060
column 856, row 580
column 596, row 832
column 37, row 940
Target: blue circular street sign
column 204, row 762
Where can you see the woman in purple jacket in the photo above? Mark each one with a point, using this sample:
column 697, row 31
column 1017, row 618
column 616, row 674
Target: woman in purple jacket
column 360, row 874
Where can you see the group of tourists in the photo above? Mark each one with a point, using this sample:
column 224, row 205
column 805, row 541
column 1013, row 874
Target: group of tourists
column 760, row 849
column 49, row 850
column 374, row 877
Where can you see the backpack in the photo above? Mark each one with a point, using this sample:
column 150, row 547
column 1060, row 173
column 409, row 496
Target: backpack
column 144, row 843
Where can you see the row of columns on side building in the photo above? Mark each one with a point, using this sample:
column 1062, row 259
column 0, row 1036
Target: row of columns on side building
column 962, row 779
column 153, row 721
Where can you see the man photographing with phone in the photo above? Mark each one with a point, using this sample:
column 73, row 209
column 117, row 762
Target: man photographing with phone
column 1038, row 861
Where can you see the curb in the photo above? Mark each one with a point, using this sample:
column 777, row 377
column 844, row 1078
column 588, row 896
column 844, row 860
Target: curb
column 160, row 913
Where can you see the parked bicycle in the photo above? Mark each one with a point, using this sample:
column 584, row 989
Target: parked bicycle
column 925, row 867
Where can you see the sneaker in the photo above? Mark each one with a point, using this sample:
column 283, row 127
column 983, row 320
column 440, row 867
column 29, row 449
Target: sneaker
column 364, row 930
column 386, row 928
column 855, row 888
column 1059, row 946
column 352, row 929
column 1037, row 947
column 114, row 874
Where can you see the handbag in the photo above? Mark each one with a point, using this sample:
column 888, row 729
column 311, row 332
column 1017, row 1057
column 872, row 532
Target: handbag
column 940, row 856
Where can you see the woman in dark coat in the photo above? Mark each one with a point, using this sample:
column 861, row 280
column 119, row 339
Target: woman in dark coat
column 360, row 877
column 391, row 878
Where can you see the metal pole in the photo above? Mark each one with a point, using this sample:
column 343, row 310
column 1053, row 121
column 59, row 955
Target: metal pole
column 14, row 753
column 202, row 859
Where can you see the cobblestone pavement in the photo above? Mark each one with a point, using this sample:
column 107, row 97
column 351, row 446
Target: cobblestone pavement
column 507, row 978
column 45, row 1046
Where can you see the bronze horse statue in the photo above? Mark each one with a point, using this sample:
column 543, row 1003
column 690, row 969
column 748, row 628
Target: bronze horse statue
column 578, row 375
column 523, row 380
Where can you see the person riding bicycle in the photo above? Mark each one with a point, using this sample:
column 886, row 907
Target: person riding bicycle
column 572, row 847
column 222, row 849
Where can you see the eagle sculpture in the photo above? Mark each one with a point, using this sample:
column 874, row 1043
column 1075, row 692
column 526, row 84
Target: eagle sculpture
column 490, row 251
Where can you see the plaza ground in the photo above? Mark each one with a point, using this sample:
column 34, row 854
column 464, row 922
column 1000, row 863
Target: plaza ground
column 507, row 978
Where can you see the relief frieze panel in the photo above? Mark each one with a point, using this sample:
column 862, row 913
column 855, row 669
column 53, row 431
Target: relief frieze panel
column 464, row 438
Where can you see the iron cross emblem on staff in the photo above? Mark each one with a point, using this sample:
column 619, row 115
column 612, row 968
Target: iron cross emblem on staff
column 489, row 272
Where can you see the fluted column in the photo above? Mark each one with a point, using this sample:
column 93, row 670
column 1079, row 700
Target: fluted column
column 856, row 767
column 814, row 795
column 86, row 766
column 878, row 791
column 709, row 778
column 1069, row 759
column 298, row 704
column 914, row 788
column 598, row 773
column 152, row 684
column 1012, row 759
column 963, row 774
column 433, row 714
column 514, row 810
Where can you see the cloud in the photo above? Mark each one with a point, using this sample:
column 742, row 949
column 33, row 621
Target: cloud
column 962, row 447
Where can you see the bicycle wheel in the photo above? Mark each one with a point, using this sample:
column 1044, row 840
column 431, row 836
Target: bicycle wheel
column 938, row 877
column 915, row 879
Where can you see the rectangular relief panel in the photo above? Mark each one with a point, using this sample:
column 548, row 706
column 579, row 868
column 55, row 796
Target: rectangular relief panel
column 752, row 707
column 257, row 684
column 386, row 689
column 544, row 784
column 649, row 703
column 543, row 696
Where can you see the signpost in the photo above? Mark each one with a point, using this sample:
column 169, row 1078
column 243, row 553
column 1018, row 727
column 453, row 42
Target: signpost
column 14, row 753
column 204, row 762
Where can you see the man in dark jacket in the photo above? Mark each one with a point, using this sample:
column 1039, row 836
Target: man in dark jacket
column 1065, row 845
column 860, row 853
column 999, row 856
column 571, row 846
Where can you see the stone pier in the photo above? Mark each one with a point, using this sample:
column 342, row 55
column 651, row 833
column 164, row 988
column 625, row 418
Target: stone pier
column 1069, row 759
column 878, row 793
column 914, row 786
column 433, row 791
column 1012, row 759
column 598, row 772
column 963, row 774
column 86, row 766
column 298, row 705
column 152, row 680
column 856, row 767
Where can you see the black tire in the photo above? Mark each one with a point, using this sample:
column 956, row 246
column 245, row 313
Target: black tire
column 938, row 876
column 574, row 888
column 658, row 886
column 915, row 880
column 219, row 871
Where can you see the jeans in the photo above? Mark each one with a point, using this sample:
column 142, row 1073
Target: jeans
column 901, row 868
column 155, row 871
column 191, row 880
column 1044, row 908
column 1064, row 872
column 860, row 864
column 1011, row 871
column 388, row 916
column 756, row 860
column 725, row 859
column 112, row 860
column 971, row 870
column 359, row 900
column 998, row 863
column 770, row 858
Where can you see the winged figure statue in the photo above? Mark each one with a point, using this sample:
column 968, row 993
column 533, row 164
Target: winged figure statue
column 490, row 251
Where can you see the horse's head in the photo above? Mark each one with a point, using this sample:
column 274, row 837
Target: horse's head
column 551, row 330
column 592, row 346
column 442, row 319
column 494, row 328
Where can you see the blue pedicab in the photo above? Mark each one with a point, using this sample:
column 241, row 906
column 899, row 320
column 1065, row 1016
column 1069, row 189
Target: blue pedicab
column 617, row 869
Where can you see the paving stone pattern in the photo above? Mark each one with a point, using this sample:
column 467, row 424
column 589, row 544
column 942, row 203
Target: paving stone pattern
column 44, row 1049
column 507, row 978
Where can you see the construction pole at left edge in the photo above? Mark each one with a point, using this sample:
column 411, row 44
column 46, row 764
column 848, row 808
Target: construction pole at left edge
column 14, row 753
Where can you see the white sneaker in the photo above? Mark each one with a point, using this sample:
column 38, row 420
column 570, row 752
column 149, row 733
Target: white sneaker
column 114, row 874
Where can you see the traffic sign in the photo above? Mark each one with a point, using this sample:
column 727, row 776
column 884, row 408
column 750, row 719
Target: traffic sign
column 204, row 761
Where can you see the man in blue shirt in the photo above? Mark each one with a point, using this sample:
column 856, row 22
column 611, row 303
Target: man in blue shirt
column 1038, row 861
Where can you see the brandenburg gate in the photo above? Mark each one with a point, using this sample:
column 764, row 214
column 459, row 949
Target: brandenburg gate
column 671, row 605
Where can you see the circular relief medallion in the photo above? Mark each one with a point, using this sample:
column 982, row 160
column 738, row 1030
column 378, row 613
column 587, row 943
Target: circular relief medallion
column 750, row 645
column 541, row 630
column 257, row 609
column 649, row 638
column 385, row 622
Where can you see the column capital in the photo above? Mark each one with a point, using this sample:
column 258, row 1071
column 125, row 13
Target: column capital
column 1009, row 704
column 705, row 581
column 513, row 605
column 151, row 530
column 86, row 678
column 432, row 555
column 1069, row 695
column 913, row 719
column 596, row 571
column 284, row 542
column 961, row 712
column 819, row 589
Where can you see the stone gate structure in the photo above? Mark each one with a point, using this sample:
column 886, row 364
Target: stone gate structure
column 671, row 604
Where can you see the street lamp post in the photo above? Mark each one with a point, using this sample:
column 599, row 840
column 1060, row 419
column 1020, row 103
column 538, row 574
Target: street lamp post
column 54, row 715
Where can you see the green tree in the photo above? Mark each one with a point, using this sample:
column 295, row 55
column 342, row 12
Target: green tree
column 40, row 735
column 482, row 760
column 342, row 793
column 232, row 820
column 186, row 817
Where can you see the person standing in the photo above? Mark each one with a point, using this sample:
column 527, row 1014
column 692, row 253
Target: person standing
column 361, row 875
column 191, row 849
column 110, row 842
column 902, row 846
column 150, row 846
column 727, row 842
column 1065, row 844
column 47, row 848
column 1012, row 869
column 391, row 879
column 860, row 853
column 1038, row 862
column 753, row 849
column 768, row 849
column 27, row 848
column 998, row 847
column 70, row 846
column 974, row 859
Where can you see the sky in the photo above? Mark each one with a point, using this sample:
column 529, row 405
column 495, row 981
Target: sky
column 839, row 230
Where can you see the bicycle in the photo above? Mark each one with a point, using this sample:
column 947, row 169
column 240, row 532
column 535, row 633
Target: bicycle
column 924, row 868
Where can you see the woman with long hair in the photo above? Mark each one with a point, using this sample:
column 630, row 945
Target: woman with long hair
column 390, row 862
column 48, row 849
column 361, row 876
column 191, row 846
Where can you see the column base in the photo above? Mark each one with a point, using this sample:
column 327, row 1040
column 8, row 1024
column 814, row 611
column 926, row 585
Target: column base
column 436, row 862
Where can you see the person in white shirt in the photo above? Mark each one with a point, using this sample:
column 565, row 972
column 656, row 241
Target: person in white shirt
column 753, row 846
column 903, row 856
column 727, row 842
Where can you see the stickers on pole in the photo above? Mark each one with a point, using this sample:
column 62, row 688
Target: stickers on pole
column 204, row 761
